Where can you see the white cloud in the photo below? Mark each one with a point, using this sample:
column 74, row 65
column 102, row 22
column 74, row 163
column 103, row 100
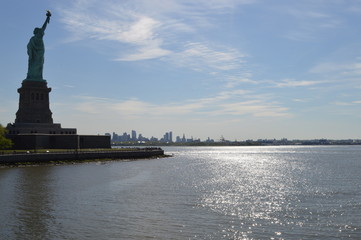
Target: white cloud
column 299, row 100
column 238, row 79
column 142, row 29
column 326, row 67
column 255, row 108
column 118, row 24
column 342, row 103
column 144, row 53
column 295, row 83
column 340, row 69
column 201, row 57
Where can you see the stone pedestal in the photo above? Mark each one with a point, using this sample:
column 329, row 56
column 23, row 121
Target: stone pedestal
column 34, row 103
column 34, row 115
column 34, row 118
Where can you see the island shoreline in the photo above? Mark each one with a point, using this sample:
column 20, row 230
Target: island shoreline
column 79, row 156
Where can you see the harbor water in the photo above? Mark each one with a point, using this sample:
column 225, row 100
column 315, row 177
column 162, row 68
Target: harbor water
column 276, row 192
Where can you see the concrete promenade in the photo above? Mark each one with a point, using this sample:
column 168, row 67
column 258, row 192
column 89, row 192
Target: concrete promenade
column 28, row 158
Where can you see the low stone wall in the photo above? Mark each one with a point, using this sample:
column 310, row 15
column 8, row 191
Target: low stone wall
column 58, row 141
column 79, row 156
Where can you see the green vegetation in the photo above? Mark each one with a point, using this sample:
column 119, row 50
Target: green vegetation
column 4, row 142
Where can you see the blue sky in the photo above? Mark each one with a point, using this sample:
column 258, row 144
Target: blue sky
column 242, row 69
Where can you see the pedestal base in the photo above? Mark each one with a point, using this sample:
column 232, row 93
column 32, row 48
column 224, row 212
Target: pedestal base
column 40, row 128
column 34, row 103
column 56, row 141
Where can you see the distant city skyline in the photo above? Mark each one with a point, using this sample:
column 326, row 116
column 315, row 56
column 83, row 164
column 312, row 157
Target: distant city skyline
column 247, row 69
column 124, row 137
column 167, row 137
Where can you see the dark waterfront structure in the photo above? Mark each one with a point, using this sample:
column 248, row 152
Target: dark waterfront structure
column 34, row 127
column 82, row 155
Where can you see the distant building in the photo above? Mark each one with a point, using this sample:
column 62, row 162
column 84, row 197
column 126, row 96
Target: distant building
column 209, row 140
column 153, row 139
column 115, row 137
column 170, row 136
column 134, row 135
column 184, row 138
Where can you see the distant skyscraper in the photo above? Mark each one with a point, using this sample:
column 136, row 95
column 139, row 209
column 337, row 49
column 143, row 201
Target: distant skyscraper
column 134, row 135
column 166, row 137
column 184, row 138
column 115, row 137
column 170, row 136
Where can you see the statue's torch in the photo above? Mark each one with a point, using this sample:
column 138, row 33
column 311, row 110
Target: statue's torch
column 48, row 14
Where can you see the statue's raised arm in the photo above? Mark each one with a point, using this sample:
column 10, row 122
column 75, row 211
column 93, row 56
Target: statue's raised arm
column 36, row 51
column 47, row 20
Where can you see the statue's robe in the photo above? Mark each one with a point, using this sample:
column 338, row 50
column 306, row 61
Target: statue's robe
column 36, row 52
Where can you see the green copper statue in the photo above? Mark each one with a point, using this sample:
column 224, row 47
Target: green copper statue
column 36, row 52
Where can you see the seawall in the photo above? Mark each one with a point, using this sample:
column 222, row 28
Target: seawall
column 79, row 156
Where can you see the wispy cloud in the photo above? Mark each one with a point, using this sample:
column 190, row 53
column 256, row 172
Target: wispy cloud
column 234, row 103
column 234, row 81
column 327, row 67
column 342, row 103
column 116, row 23
column 200, row 57
column 149, row 30
column 255, row 108
column 310, row 20
column 352, row 68
column 295, row 83
column 300, row 100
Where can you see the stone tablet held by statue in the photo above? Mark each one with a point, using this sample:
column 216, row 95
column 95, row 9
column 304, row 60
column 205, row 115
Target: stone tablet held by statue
column 36, row 51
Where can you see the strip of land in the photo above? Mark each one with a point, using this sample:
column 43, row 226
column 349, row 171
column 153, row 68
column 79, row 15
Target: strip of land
column 59, row 156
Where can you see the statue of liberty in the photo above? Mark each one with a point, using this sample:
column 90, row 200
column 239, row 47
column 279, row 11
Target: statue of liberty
column 36, row 52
